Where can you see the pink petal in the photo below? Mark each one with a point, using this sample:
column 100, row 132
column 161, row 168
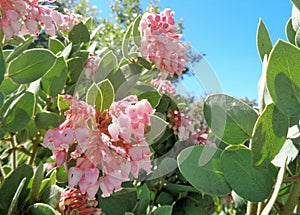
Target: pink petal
column 75, row 175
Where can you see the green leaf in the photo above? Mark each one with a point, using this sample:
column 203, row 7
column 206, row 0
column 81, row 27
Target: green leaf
column 263, row 41
column 47, row 120
column 143, row 200
column 94, row 97
column 164, row 210
column 108, row 94
column 157, row 129
column 252, row 183
column 19, row 113
column 230, row 119
column 61, row 175
column 11, row 184
column 14, row 201
column 2, row 66
column 76, row 65
column 30, row 65
column 55, row 45
column 108, row 64
column 125, row 199
column 290, row 32
column 126, row 40
column 164, row 198
column 269, row 135
column 19, row 50
column 201, row 166
column 8, row 86
column 41, row 209
column 62, row 104
column 136, row 32
column 153, row 97
column 51, row 195
column 79, row 34
column 283, row 78
column 53, row 81
column 36, row 184
column 194, row 204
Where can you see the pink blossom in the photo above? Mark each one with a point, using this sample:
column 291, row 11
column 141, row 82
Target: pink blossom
column 160, row 42
column 110, row 145
column 91, row 66
column 22, row 17
column 164, row 86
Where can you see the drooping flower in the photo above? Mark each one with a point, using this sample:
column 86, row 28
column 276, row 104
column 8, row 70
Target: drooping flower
column 22, row 17
column 160, row 42
column 163, row 86
column 73, row 201
column 109, row 145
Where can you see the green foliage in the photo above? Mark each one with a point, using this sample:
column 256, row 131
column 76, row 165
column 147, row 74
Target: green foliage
column 259, row 181
column 187, row 178
column 125, row 199
column 269, row 135
column 23, row 69
column 10, row 187
column 230, row 119
column 263, row 40
column 283, row 78
column 79, row 34
column 19, row 112
column 201, row 166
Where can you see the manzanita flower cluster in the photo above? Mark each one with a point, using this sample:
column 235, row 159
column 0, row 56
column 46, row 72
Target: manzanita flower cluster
column 163, row 85
column 72, row 201
column 160, row 42
column 23, row 17
column 108, row 145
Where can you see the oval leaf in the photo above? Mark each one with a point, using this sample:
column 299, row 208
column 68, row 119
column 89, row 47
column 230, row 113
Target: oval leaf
column 201, row 166
column 94, row 97
column 283, row 78
column 79, row 34
column 41, row 209
column 107, row 65
column 263, row 41
column 19, row 113
column 269, row 134
column 229, row 119
column 125, row 199
column 252, row 183
column 30, row 65
column 47, row 120
column 108, row 94
column 289, row 31
column 55, row 45
column 54, row 80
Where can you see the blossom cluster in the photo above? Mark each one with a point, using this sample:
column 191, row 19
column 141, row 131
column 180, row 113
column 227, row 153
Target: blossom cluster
column 160, row 42
column 109, row 145
column 72, row 201
column 181, row 124
column 91, row 66
column 163, row 85
column 23, row 17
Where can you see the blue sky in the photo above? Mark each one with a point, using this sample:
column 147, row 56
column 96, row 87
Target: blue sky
column 226, row 32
